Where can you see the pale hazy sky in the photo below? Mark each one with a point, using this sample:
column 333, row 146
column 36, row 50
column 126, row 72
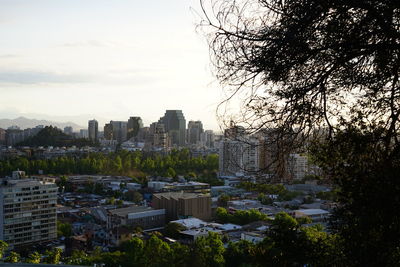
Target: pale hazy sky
column 107, row 59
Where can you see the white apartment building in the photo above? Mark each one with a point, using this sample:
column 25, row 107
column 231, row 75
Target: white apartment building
column 239, row 156
column 28, row 211
column 297, row 166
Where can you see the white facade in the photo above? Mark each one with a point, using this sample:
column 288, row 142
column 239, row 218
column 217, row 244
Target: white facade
column 28, row 211
column 239, row 156
column 298, row 166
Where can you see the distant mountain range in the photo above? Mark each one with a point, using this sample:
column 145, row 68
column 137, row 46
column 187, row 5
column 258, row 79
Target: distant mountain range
column 24, row 123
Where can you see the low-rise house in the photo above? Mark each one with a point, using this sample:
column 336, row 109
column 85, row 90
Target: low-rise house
column 192, row 234
column 133, row 186
column 316, row 215
column 226, row 190
column 254, row 237
column 120, row 234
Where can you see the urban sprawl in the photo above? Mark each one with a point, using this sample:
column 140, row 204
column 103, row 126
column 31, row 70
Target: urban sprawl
column 171, row 178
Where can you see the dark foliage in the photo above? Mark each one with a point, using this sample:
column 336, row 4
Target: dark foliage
column 329, row 68
column 369, row 195
column 52, row 136
column 308, row 63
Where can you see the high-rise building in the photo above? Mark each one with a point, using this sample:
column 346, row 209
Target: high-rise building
column 93, row 129
column 83, row 133
column 194, row 132
column 14, row 135
column 207, row 138
column 144, row 135
column 119, row 131
column 27, row 211
column 2, row 136
column 239, row 155
column 274, row 155
column 133, row 127
column 160, row 136
column 297, row 166
column 68, row 130
column 108, row 131
column 175, row 125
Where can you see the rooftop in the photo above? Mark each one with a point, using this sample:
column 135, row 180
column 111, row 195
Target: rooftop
column 190, row 222
column 313, row 211
column 129, row 210
column 179, row 195
column 23, row 182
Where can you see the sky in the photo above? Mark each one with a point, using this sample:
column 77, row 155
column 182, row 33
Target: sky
column 72, row 60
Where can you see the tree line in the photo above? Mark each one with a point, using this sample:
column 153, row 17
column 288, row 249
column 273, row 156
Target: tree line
column 134, row 164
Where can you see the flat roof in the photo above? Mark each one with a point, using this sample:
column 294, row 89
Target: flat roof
column 200, row 231
column 312, row 211
column 190, row 222
column 129, row 210
column 178, row 195
column 24, row 182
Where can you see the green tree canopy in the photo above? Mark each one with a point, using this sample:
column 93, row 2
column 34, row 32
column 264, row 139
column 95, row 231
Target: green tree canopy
column 34, row 258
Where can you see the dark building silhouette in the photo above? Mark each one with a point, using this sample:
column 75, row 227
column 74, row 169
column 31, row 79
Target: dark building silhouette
column 133, row 127
column 194, row 132
column 175, row 125
column 93, row 129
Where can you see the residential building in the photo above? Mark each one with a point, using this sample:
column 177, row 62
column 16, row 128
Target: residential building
column 2, row 136
column 207, row 139
column 240, row 155
column 93, row 129
column 119, row 131
column 297, row 166
column 27, row 211
column 253, row 237
column 194, row 132
column 68, row 130
column 119, row 235
column 180, row 205
column 133, row 127
column 160, row 138
column 83, row 133
column 144, row 135
column 316, row 215
column 189, row 187
column 175, row 126
column 108, row 131
column 14, row 135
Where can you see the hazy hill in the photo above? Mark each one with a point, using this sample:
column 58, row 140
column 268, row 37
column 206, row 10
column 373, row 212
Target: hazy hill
column 24, row 123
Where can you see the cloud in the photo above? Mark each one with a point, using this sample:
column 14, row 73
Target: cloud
column 88, row 43
column 5, row 56
column 38, row 77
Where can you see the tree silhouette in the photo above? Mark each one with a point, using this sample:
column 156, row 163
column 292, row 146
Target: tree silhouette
column 332, row 68
column 307, row 64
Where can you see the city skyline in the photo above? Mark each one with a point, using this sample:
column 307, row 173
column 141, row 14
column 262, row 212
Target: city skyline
column 78, row 67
